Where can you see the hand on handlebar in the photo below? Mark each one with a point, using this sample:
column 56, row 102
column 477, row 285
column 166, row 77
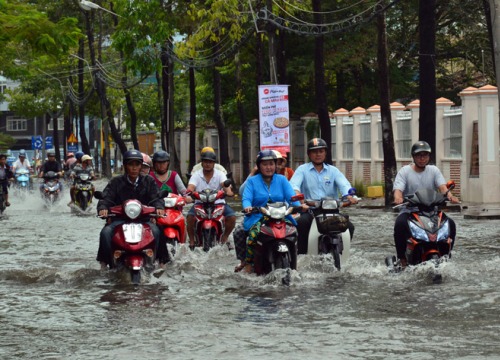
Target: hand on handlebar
column 103, row 213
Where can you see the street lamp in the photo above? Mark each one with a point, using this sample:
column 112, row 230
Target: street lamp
column 89, row 5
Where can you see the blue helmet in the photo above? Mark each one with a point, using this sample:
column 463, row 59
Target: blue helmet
column 78, row 155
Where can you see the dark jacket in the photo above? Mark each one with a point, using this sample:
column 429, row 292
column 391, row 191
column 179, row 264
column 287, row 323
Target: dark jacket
column 51, row 166
column 120, row 189
column 8, row 173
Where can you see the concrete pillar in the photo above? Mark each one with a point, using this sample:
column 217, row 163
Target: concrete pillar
column 442, row 104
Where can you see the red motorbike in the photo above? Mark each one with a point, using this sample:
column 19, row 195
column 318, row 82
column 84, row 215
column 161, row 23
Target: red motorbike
column 276, row 243
column 173, row 223
column 210, row 220
column 133, row 243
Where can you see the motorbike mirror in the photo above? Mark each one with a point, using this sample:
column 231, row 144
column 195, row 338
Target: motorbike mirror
column 298, row 197
column 163, row 193
column 227, row 183
column 450, row 184
column 229, row 175
column 98, row 195
column 351, row 192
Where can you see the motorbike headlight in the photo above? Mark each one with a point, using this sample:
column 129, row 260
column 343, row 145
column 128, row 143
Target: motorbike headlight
column 329, row 204
column 200, row 213
column 170, row 202
column 278, row 212
column 84, row 176
column 418, row 232
column 444, row 232
column 133, row 209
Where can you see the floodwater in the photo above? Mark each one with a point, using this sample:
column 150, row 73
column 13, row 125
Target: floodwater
column 55, row 303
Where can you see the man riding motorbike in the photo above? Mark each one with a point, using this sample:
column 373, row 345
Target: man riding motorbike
column 131, row 185
column 5, row 176
column 84, row 165
column 210, row 178
column 410, row 178
column 317, row 180
column 51, row 165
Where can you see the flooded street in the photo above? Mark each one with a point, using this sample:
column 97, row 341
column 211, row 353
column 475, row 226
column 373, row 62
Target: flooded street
column 55, row 303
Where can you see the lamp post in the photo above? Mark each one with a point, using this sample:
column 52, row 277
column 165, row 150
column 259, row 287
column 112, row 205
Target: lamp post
column 89, row 5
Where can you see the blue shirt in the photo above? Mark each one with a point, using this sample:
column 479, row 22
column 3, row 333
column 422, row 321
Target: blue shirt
column 330, row 182
column 257, row 193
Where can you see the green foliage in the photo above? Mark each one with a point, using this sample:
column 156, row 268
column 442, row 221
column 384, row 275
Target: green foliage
column 6, row 142
column 360, row 188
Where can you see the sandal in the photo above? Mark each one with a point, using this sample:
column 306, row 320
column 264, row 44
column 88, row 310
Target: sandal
column 239, row 267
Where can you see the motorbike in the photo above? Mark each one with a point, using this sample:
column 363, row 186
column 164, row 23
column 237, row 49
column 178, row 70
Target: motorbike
column 83, row 190
column 51, row 188
column 173, row 223
column 133, row 243
column 276, row 244
column 22, row 183
column 430, row 232
column 329, row 232
column 210, row 220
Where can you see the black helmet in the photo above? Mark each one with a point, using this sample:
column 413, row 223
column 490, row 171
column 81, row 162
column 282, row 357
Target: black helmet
column 209, row 155
column 266, row 155
column 161, row 156
column 132, row 155
column 420, row 146
column 316, row 143
column 51, row 152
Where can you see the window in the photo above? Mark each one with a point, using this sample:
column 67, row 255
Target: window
column 365, row 137
column 333, row 146
column 15, row 123
column 453, row 133
column 403, row 123
column 347, row 130
column 60, row 124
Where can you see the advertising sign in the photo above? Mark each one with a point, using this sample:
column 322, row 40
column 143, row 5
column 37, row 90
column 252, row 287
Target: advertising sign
column 274, row 118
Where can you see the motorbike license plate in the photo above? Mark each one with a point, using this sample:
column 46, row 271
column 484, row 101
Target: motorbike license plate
column 132, row 233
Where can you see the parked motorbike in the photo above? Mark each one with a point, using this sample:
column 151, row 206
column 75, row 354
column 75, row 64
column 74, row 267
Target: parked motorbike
column 22, row 183
column 51, row 188
column 329, row 233
column 276, row 244
column 173, row 223
column 430, row 232
column 133, row 242
column 83, row 190
column 210, row 220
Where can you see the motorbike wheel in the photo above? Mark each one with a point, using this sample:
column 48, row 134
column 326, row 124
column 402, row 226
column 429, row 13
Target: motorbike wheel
column 283, row 262
column 208, row 239
column 135, row 276
column 336, row 256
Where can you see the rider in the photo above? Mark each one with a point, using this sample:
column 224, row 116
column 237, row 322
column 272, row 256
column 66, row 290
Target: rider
column 210, row 178
column 85, row 165
column 22, row 162
column 131, row 185
column 266, row 186
column 51, row 164
column 146, row 164
column 70, row 161
column 5, row 176
column 410, row 178
column 164, row 178
column 317, row 180
column 281, row 166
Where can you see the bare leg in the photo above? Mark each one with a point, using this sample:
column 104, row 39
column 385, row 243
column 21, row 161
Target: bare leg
column 229, row 226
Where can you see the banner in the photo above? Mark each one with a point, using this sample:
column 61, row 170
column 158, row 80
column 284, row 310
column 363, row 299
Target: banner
column 274, row 118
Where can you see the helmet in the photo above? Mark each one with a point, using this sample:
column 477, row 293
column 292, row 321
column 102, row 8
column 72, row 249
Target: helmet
column 70, row 154
column 161, row 156
column 146, row 160
column 132, row 155
column 51, row 152
column 86, row 157
column 316, row 143
column 277, row 154
column 266, row 155
column 22, row 153
column 207, row 148
column 79, row 155
column 209, row 155
column 420, row 146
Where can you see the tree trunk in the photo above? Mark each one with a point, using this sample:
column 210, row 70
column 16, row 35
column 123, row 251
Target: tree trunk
column 427, row 81
column 319, row 81
column 219, row 121
column 491, row 8
column 165, row 101
column 245, row 144
column 192, row 119
column 390, row 166
column 55, row 138
column 81, row 107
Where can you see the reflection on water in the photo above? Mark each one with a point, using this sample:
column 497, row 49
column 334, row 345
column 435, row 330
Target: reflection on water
column 55, row 303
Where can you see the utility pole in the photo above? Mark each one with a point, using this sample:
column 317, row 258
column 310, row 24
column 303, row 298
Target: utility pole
column 272, row 46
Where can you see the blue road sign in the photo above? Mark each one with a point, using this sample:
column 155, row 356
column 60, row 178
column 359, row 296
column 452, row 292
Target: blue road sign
column 72, row 147
column 48, row 142
column 36, row 142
